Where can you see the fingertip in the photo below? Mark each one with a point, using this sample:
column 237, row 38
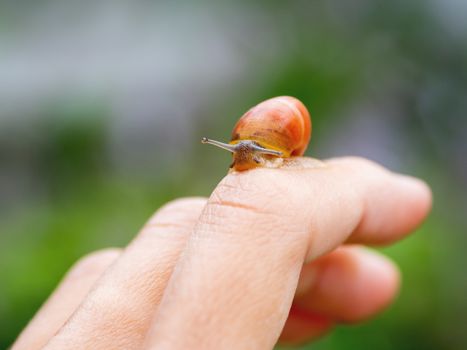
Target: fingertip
column 376, row 286
column 420, row 193
column 351, row 285
column 393, row 208
column 412, row 208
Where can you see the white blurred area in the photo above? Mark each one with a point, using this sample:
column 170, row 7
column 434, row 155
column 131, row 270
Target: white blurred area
column 152, row 63
column 153, row 66
column 112, row 48
column 143, row 56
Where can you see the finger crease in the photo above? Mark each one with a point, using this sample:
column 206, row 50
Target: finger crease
column 164, row 225
column 236, row 205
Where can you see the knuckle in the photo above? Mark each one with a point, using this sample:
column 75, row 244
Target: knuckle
column 183, row 203
column 175, row 218
column 94, row 262
column 252, row 206
column 186, row 207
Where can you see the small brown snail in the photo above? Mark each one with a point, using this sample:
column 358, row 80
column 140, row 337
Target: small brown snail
column 272, row 130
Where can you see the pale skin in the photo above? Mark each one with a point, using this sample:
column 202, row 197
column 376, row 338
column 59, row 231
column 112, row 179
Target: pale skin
column 272, row 254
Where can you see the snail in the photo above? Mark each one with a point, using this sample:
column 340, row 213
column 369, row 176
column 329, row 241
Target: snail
column 274, row 129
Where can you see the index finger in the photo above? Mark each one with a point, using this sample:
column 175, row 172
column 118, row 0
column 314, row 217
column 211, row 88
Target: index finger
column 234, row 284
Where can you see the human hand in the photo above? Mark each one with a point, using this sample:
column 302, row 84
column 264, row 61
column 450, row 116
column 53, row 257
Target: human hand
column 270, row 254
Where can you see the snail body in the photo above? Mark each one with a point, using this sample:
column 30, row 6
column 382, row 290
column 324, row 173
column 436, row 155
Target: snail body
column 270, row 131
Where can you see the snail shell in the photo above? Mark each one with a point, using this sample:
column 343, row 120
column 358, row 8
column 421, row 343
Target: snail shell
column 276, row 128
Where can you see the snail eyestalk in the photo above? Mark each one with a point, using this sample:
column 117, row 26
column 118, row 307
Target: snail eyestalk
column 263, row 150
column 243, row 146
column 226, row 146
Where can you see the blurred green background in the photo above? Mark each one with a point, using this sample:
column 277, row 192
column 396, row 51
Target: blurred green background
column 103, row 104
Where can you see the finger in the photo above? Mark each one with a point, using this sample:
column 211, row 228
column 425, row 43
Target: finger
column 117, row 312
column 65, row 299
column 242, row 262
column 302, row 327
column 347, row 285
column 374, row 183
column 350, row 284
